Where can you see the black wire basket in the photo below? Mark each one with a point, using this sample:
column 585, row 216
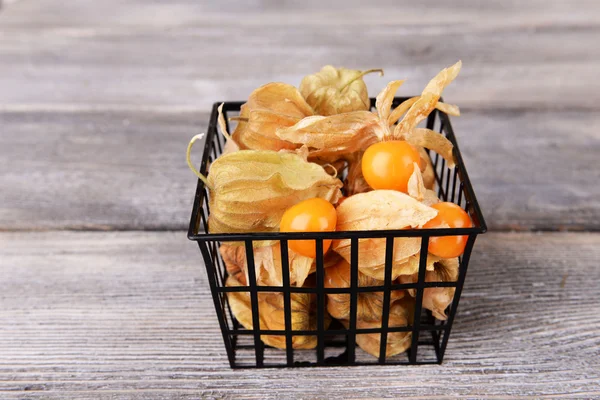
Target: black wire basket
column 336, row 343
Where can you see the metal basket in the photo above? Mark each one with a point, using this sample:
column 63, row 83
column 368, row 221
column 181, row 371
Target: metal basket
column 336, row 345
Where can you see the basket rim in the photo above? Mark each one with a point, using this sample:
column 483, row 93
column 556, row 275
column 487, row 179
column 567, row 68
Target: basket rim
column 479, row 223
column 255, row 236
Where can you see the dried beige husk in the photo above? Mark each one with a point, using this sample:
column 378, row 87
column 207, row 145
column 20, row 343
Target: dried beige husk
column 385, row 98
column 389, row 117
column 434, row 141
column 418, row 191
column 427, row 172
column 336, row 136
column 280, row 98
column 416, row 187
column 431, row 198
column 355, row 181
column 369, row 305
column 419, row 110
column 401, row 314
column 268, row 265
column 412, row 263
column 426, row 103
column 336, row 90
column 371, row 255
column 382, row 209
column 383, row 104
column 234, row 258
column 251, row 189
column 450, row 109
column 379, row 210
column 440, row 270
column 403, row 107
column 230, row 144
column 339, row 166
column 272, row 315
column 340, row 136
column 261, row 128
column 270, row 107
column 230, row 147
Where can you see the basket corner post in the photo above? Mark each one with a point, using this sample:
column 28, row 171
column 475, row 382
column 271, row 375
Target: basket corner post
column 211, row 272
column 464, row 263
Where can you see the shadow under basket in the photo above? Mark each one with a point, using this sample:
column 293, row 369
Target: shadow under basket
column 336, row 343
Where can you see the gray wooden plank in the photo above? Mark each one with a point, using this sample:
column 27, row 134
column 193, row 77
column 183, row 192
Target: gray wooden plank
column 104, row 170
column 187, row 54
column 126, row 169
column 129, row 315
column 534, row 170
column 148, row 14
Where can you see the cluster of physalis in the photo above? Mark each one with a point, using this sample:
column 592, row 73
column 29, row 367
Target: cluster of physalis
column 282, row 170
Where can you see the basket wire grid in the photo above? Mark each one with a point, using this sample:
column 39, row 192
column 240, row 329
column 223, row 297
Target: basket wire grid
column 336, row 345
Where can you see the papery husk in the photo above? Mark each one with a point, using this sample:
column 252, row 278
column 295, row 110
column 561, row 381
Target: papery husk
column 401, row 314
column 412, row 263
column 403, row 107
column 260, row 132
column 222, row 123
column 230, row 147
column 436, row 299
column 371, row 255
column 272, row 316
column 434, row 141
column 300, row 267
column 428, row 173
column 302, row 152
column 355, row 181
column 338, row 136
column 251, row 189
column 418, row 191
column 336, row 90
column 385, row 98
column 419, row 110
column 369, row 305
column 400, row 110
column 268, row 265
column 280, row 98
column 383, row 104
column 418, row 139
column 234, row 258
column 335, row 136
column 378, row 210
column 382, row 209
column 431, row 198
column 450, row 109
column 415, row 185
column 426, row 103
column 338, row 165
column 268, row 108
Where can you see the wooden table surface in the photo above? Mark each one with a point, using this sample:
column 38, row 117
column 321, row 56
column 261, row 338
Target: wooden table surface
column 102, row 295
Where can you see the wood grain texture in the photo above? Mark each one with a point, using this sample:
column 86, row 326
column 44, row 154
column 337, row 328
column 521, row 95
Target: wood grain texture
column 99, row 98
column 126, row 170
column 129, row 315
column 101, row 170
column 186, row 54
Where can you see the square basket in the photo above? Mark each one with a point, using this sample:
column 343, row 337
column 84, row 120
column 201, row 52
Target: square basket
column 336, row 344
